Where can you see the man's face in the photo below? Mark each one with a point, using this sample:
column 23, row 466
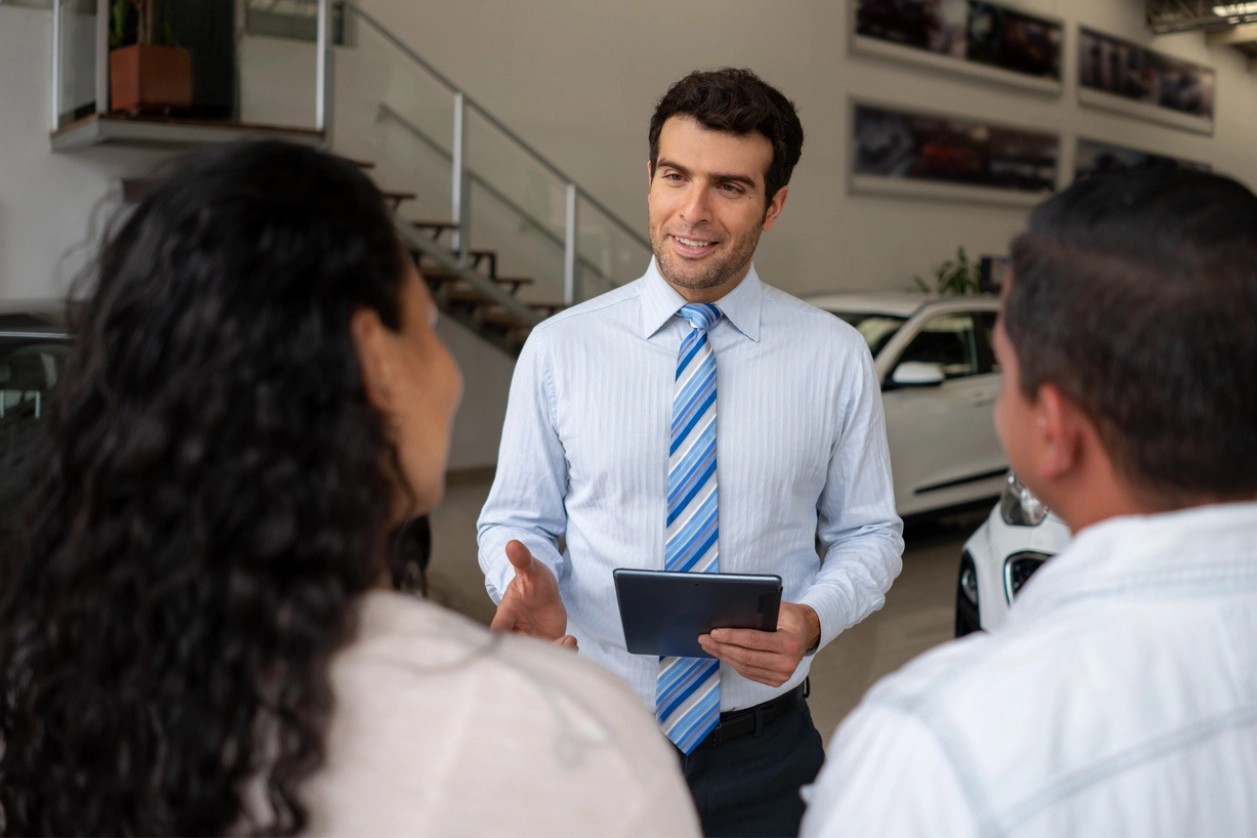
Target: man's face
column 708, row 207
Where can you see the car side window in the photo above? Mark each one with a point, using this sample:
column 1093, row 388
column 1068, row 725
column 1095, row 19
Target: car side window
column 951, row 341
column 986, row 342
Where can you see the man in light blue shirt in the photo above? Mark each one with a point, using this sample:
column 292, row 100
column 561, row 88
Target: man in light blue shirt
column 802, row 458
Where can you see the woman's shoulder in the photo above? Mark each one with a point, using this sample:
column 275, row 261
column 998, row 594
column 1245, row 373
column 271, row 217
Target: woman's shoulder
column 404, row 640
column 488, row 732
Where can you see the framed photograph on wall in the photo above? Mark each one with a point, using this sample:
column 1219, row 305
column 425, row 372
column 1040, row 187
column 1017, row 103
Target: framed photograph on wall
column 1126, row 77
column 918, row 154
column 1095, row 157
column 988, row 40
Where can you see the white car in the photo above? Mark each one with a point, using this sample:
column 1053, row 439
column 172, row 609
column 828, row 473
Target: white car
column 939, row 383
column 1016, row 539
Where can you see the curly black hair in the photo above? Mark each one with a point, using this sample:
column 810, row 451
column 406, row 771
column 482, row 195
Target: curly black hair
column 216, row 491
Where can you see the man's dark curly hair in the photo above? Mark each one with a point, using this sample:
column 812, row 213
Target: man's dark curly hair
column 736, row 102
column 214, row 494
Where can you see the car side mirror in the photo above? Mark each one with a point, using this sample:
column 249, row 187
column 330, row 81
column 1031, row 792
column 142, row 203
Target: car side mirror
column 917, row 374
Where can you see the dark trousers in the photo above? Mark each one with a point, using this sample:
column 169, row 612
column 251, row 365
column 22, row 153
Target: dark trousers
column 750, row 786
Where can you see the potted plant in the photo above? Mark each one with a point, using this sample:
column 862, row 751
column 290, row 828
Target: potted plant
column 954, row 276
column 147, row 71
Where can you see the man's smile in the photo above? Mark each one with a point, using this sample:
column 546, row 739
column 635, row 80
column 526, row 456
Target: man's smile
column 693, row 247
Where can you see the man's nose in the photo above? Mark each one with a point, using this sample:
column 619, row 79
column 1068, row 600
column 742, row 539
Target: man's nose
column 697, row 207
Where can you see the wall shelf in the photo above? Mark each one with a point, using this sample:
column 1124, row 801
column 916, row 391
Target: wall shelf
column 120, row 129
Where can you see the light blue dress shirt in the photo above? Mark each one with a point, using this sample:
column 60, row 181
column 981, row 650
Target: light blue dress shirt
column 801, row 458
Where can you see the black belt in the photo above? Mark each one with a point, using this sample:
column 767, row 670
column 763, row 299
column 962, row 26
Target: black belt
column 738, row 723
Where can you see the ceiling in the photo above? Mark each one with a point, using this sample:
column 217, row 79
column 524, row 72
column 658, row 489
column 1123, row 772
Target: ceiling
column 1236, row 26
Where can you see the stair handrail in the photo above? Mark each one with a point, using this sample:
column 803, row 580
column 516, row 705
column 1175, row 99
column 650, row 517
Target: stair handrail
column 460, row 180
column 385, row 110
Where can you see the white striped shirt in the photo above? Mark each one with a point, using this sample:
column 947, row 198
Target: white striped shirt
column 801, row 458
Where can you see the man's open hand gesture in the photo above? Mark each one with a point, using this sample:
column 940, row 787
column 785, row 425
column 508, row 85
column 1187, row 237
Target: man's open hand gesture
column 532, row 604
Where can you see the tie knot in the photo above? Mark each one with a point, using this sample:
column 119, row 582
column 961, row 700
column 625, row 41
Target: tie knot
column 702, row 316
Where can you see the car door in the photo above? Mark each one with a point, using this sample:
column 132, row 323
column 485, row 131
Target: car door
column 944, row 449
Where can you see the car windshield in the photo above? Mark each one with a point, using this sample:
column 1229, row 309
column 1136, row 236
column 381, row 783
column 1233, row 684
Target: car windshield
column 30, row 367
column 876, row 328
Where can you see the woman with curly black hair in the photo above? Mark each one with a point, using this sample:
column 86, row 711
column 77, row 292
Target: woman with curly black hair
column 194, row 635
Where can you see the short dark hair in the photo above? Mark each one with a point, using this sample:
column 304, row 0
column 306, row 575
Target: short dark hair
column 738, row 102
column 1135, row 293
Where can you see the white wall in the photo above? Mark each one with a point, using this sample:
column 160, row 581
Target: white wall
column 47, row 201
column 578, row 79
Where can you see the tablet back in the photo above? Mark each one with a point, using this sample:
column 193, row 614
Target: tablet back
column 664, row 611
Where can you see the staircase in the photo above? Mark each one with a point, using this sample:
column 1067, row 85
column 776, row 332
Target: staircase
column 458, row 288
column 471, row 293
column 465, row 302
column 503, row 237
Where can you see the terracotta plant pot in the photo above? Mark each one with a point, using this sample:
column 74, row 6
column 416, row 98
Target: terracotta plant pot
column 149, row 78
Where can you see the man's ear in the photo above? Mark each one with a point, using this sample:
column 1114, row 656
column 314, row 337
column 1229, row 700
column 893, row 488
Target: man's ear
column 370, row 338
column 774, row 207
column 650, row 174
column 1060, row 427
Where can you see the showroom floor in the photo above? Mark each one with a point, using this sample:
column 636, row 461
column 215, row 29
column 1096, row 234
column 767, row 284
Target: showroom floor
column 918, row 614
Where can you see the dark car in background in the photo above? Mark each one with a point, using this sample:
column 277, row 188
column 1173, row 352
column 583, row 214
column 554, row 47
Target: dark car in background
column 34, row 347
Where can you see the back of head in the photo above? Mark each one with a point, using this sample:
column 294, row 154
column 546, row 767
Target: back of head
column 737, row 102
column 216, row 489
column 1135, row 293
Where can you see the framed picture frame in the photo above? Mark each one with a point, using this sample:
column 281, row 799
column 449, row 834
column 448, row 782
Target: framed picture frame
column 1122, row 76
column 991, row 41
column 1096, row 157
column 912, row 153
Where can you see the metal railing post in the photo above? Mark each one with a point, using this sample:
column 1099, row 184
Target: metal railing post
column 460, row 186
column 102, row 58
column 570, row 290
column 323, row 73
column 56, row 64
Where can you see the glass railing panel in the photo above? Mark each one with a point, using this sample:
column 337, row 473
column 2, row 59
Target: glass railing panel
column 610, row 253
column 390, row 113
column 394, row 111
column 518, row 207
column 524, row 244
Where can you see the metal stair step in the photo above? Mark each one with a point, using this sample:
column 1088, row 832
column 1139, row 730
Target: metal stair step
column 395, row 198
column 434, row 228
column 497, row 315
column 463, row 292
column 514, row 282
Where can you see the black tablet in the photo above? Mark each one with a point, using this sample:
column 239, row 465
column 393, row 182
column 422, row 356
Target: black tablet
column 664, row 611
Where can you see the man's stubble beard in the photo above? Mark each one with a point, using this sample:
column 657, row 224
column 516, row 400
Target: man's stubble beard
column 719, row 272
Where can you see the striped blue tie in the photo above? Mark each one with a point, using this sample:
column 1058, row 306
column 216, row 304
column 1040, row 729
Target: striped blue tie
column 687, row 696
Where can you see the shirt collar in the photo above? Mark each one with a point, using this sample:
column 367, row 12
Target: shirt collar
column 741, row 306
column 1137, row 553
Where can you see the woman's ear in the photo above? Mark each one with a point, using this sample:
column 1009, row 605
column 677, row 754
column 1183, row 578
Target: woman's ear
column 370, row 338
